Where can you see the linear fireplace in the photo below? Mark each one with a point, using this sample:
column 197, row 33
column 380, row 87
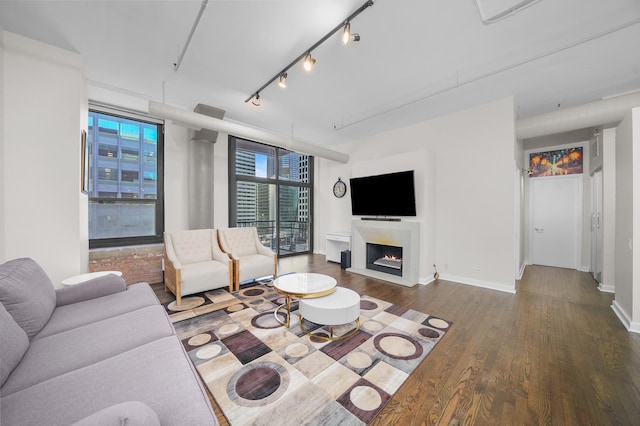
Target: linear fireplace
column 402, row 264
column 384, row 258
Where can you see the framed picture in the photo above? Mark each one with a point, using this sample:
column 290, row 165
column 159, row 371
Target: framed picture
column 555, row 163
column 84, row 163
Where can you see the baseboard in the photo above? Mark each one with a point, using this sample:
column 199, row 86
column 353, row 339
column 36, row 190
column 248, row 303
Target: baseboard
column 521, row 272
column 584, row 269
column 478, row 283
column 322, row 252
column 426, row 281
column 606, row 288
column 622, row 315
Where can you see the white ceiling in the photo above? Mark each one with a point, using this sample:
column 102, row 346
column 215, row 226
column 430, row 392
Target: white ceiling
column 417, row 59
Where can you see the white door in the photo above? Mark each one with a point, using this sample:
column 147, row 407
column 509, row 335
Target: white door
column 556, row 219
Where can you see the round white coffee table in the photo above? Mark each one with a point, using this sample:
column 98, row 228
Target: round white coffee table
column 78, row 279
column 301, row 286
column 340, row 307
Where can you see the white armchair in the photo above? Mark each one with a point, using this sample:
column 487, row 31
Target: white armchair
column 195, row 263
column 250, row 258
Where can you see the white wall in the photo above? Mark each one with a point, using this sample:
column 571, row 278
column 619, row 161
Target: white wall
column 608, row 210
column 42, row 91
column 464, row 172
column 475, row 199
column 330, row 214
column 627, row 249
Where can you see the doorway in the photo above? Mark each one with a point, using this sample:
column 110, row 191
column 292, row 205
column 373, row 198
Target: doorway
column 556, row 221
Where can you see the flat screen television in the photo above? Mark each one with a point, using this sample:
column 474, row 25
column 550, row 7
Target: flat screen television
column 391, row 194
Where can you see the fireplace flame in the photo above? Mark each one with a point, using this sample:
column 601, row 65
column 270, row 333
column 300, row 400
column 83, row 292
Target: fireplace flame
column 390, row 257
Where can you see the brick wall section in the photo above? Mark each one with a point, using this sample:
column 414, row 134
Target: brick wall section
column 137, row 263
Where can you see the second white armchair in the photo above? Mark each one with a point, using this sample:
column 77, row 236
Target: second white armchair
column 250, row 258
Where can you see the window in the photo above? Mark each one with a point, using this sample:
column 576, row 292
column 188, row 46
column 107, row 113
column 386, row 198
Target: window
column 126, row 205
column 272, row 189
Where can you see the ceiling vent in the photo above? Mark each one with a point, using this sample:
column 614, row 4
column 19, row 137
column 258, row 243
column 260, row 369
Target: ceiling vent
column 207, row 134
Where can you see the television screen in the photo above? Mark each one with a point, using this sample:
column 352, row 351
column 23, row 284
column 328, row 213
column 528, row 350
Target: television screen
column 390, row 194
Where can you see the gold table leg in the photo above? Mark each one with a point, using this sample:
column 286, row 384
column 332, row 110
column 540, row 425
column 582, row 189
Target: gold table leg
column 287, row 302
column 331, row 337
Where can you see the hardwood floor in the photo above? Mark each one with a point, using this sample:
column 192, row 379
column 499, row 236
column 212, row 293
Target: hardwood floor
column 553, row 353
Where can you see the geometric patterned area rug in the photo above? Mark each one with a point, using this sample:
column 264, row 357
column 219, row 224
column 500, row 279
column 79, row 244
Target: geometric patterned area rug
column 262, row 373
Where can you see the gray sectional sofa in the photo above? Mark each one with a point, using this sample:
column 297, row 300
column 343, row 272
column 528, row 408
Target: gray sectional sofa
column 98, row 353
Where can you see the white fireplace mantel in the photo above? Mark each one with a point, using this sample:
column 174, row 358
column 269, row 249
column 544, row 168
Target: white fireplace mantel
column 393, row 233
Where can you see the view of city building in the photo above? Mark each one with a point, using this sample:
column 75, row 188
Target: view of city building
column 123, row 176
column 279, row 206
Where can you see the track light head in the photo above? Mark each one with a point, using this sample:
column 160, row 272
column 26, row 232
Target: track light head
column 309, row 62
column 346, row 33
column 256, row 100
column 282, row 81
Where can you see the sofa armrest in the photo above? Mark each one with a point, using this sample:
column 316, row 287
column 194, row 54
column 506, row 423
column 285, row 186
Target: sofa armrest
column 131, row 413
column 92, row 289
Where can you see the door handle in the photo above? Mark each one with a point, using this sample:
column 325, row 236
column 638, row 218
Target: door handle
column 539, row 229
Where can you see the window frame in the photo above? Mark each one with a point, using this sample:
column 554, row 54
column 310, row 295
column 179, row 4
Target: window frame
column 234, row 178
column 158, row 237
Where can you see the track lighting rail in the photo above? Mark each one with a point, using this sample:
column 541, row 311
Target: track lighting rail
column 308, row 51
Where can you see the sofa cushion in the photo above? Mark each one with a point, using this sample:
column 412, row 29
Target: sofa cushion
column 158, row 374
column 193, row 246
column 82, row 346
column 14, row 343
column 133, row 413
column 27, row 293
column 78, row 314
